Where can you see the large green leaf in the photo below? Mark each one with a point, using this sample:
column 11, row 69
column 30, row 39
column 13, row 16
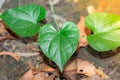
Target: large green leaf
column 106, row 31
column 59, row 45
column 23, row 20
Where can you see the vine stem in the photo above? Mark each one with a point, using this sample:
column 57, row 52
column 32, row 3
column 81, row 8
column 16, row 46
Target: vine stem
column 0, row 15
column 51, row 6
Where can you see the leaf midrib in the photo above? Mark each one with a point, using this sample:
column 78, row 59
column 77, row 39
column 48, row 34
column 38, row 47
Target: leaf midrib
column 20, row 18
column 101, row 36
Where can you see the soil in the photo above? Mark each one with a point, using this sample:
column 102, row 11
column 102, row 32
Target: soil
column 66, row 10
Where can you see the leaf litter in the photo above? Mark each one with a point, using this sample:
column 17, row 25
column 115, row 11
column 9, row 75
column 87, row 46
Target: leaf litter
column 13, row 55
column 71, row 66
column 4, row 34
column 45, row 72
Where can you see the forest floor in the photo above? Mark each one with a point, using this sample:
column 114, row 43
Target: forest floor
column 29, row 51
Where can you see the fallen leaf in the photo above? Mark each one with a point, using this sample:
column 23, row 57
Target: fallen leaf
column 31, row 66
column 45, row 68
column 43, row 76
column 85, row 67
column 34, row 70
column 13, row 55
column 4, row 33
column 93, row 77
column 70, row 70
column 2, row 28
column 83, row 31
column 37, row 74
column 6, row 37
column 101, row 74
column 88, row 69
column 71, row 65
column 27, row 76
column 70, row 75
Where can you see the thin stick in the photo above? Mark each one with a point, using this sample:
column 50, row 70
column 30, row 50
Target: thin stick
column 51, row 6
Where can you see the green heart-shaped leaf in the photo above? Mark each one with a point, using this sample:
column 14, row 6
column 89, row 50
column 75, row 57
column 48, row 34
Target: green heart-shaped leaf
column 59, row 45
column 23, row 20
column 106, row 31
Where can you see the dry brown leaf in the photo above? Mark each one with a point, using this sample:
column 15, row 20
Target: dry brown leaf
column 71, row 65
column 78, row 66
column 43, row 76
column 93, row 77
column 39, row 76
column 36, row 74
column 13, row 55
column 6, row 37
column 83, row 32
column 45, row 68
column 31, row 66
column 101, row 74
column 88, row 69
column 3, row 30
column 35, row 71
column 85, row 67
column 51, row 72
column 70, row 70
column 70, row 75
column 2, row 27
column 27, row 76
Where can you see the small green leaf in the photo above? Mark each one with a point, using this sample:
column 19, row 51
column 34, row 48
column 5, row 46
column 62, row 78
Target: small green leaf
column 23, row 20
column 106, row 31
column 59, row 46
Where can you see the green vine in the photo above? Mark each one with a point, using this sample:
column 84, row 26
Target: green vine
column 0, row 15
column 51, row 6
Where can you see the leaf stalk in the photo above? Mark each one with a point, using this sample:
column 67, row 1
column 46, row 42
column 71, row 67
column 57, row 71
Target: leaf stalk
column 51, row 6
column 0, row 15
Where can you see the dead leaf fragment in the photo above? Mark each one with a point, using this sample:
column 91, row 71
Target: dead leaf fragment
column 4, row 34
column 85, row 67
column 45, row 68
column 43, row 76
column 27, row 76
column 83, row 32
column 70, row 70
column 88, row 69
column 101, row 74
column 93, row 77
column 37, row 74
column 6, row 37
column 13, row 55
column 71, row 65
column 2, row 28
column 70, row 75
